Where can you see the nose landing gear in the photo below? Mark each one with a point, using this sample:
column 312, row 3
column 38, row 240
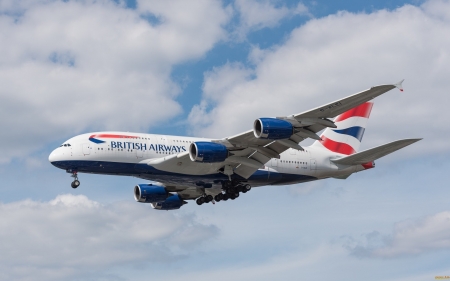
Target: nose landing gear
column 76, row 182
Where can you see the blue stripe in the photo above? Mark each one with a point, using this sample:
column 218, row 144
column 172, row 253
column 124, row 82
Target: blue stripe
column 356, row 132
column 96, row 140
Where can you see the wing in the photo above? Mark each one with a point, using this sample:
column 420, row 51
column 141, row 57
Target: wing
column 248, row 148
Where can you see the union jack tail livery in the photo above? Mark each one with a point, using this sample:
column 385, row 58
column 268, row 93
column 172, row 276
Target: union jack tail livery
column 346, row 138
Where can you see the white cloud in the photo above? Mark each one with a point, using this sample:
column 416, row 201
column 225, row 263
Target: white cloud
column 256, row 15
column 72, row 66
column 74, row 237
column 338, row 55
column 408, row 238
column 217, row 85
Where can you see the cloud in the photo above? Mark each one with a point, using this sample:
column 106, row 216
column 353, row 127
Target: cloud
column 72, row 236
column 256, row 15
column 218, row 82
column 73, row 66
column 338, row 55
column 408, row 238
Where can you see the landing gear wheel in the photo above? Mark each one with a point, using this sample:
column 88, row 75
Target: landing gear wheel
column 199, row 201
column 225, row 197
column 209, row 198
column 246, row 188
column 232, row 196
column 75, row 184
column 218, row 197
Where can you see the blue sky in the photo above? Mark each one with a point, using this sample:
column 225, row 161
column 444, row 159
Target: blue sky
column 209, row 69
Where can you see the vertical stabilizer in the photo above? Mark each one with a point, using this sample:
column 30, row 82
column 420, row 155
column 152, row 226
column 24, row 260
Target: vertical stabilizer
column 346, row 138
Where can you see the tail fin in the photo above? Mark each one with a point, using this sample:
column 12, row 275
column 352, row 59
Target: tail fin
column 346, row 138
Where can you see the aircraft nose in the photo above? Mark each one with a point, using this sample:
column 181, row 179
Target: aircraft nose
column 53, row 156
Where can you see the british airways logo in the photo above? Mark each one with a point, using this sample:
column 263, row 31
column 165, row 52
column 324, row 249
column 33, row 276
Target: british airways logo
column 135, row 145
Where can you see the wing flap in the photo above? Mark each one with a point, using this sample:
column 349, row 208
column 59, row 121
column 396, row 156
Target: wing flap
column 250, row 165
column 374, row 153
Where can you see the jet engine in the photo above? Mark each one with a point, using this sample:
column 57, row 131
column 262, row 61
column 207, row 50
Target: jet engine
column 173, row 202
column 149, row 193
column 207, row 152
column 272, row 129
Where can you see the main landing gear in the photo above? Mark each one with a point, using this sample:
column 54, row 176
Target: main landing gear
column 231, row 191
column 76, row 182
column 204, row 199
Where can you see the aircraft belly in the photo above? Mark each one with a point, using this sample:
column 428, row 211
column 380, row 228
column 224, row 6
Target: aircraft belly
column 144, row 171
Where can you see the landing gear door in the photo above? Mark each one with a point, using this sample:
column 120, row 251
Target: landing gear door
column 86, row 148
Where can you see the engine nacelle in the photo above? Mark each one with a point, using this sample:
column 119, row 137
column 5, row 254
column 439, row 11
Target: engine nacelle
column 149, row 193
column 208, row 152
column 272, row 129
column 173, row 202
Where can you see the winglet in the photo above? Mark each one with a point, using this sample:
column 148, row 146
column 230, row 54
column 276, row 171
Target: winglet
column 399, row 85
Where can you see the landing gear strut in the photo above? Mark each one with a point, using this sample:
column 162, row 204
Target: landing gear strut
column 76, row 182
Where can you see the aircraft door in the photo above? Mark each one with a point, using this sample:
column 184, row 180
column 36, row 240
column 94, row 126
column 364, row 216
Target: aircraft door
column 86, row 148
column 274, row 163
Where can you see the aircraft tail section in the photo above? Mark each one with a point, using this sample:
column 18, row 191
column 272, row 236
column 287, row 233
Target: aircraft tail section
column 346, row 138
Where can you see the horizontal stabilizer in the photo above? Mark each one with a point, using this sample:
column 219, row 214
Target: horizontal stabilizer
column 375, row 153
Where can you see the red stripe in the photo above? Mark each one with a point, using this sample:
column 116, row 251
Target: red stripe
column 113, row 136
column 335, row 146
column 369, row 165
column 362, row 110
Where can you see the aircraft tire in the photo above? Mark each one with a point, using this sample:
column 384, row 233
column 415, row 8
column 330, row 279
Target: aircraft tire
column 75, row 184
column 218, row 197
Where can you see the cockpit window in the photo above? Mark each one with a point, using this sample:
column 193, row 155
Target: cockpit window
column 66, row 144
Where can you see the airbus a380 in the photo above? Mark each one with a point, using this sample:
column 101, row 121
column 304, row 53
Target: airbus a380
column 212, row 170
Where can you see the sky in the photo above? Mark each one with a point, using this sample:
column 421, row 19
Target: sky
column 209, row 69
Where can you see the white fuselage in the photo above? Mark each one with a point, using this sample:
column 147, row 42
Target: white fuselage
column 133, row 154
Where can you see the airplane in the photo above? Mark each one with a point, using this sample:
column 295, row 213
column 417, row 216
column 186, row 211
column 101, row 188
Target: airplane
column 212, row 170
